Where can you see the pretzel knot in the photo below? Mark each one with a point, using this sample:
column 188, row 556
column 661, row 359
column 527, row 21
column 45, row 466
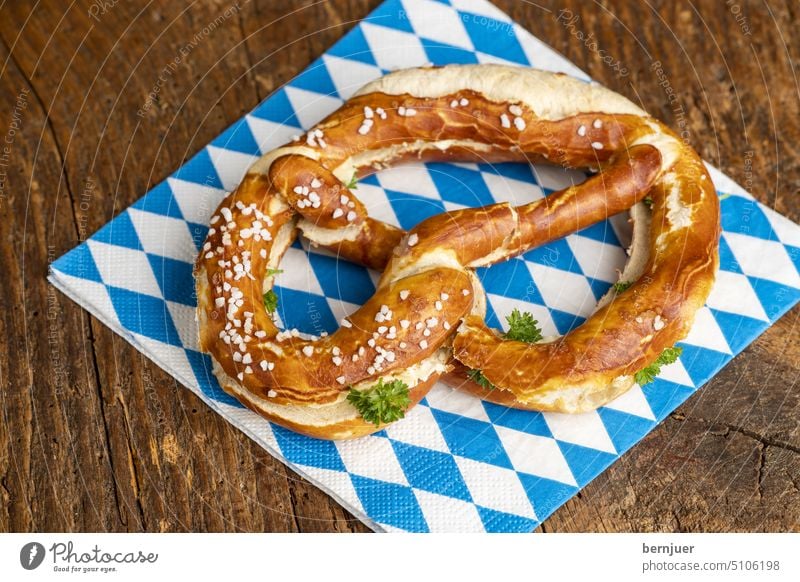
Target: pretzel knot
column 426, row 316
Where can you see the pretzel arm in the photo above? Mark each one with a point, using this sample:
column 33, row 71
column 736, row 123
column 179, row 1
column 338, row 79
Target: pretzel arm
column 480, row 237
column 595, row 362
column 291, row 370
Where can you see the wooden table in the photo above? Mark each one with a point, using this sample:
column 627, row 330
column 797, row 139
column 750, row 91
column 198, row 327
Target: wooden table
column 96, row 437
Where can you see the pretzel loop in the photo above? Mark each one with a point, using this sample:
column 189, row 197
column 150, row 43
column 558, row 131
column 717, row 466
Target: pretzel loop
column 406, row 333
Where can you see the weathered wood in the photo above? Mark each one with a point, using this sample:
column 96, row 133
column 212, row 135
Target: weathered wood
column 95, row 437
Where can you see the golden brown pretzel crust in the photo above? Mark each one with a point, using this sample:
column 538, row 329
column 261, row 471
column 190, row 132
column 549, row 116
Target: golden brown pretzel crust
column 404, row 331
column 594, row 363
column 350, row 427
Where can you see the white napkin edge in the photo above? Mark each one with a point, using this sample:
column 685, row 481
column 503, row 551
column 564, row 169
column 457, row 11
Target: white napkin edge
column 86, row 303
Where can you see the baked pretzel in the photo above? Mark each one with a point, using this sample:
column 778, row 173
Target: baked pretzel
column 397, row 344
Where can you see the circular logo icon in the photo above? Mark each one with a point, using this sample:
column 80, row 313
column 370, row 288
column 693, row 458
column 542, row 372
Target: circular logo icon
column 31, row 555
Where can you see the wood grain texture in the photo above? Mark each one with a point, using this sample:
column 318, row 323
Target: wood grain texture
column 95, row 437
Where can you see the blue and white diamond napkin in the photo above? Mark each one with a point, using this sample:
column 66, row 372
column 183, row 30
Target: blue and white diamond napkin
column 455, row 463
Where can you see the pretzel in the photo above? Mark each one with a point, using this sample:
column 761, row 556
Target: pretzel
column 403, row 334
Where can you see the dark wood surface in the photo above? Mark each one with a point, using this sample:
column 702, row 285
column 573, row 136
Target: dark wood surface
column 95, row 437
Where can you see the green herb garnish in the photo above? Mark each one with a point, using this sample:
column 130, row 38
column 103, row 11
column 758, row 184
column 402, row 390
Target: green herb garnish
column 621, row 286
column 272, row 272
column 478, row 377
column 648, row 374
column 383, row 403
column 353, row 183
column 648, row 202
column 270, row 301
column 522, row 327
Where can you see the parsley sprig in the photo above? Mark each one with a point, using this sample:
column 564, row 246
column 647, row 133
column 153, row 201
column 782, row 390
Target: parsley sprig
column 272, row 272
column 382, row 403
column 353, row 183
column 522, row 327
column 648, row 374
column 481, row 380
column 621, row 286
column 270, row 301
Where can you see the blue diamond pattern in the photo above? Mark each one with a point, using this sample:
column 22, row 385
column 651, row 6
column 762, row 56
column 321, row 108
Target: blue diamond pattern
column 545, row 494
column 119, row 232
column 200, row 170
column 279, row 109
column 341, row 280
column 317, row 79
column 238, row 138
column 308, row 312
column 520, row 420
column 664, row 396
column 144, row 315
column 743, row 215
column 503, row 43
column 417, row 463
column 442, row 53
column 501, row 522
column 586, row 463
column 623, row 429
column 80, row 263
column 160, row 201
column 311, row 452
column 412, row 209
column 174, row 278
column 472, row 439
column 390, row 503
column 556, row 252
column 511, row 279
column 460, row 185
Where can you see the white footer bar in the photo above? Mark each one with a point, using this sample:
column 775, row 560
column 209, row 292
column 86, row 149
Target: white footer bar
column 386, row 558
